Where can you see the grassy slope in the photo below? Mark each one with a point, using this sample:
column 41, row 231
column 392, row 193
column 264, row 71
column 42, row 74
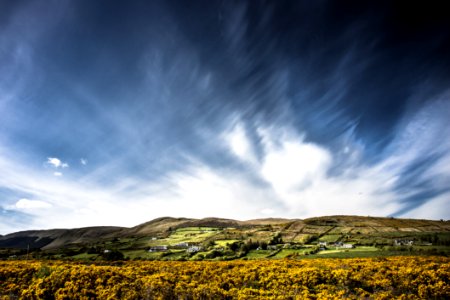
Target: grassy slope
column 170, row 231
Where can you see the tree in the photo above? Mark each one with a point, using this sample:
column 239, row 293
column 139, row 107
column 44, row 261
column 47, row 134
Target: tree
column 276, row 239
column 263, row 245
column 233, row 246
column 113, row 255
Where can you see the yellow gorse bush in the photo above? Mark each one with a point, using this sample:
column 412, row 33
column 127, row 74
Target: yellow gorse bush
column 367, row 278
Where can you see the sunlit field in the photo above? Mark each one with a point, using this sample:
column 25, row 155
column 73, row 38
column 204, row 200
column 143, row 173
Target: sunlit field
column 356, row 278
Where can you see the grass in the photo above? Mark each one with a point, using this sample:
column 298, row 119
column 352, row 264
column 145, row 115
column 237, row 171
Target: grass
column 302, row 237
column 437, row 247
column 175, row 255
column 223, row 243
column 85, row 256
column 330, row 238
column 347, row 253
column 312, row 229
column 143, row 254
column 358, row 249
column 340, row 230
column 188, row 234
column 129, row 243
column 197, row 229
column 359, row 254
column 289, row 252
column 258, row 254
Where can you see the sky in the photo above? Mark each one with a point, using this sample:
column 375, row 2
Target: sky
column 119, row 112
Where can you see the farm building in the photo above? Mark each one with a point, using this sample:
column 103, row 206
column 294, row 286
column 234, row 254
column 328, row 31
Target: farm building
column 158, row 248
column 194, row 249
column 346, row 246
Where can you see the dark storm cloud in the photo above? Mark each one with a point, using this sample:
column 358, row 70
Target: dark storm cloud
column 341, row 64
column 346, row 65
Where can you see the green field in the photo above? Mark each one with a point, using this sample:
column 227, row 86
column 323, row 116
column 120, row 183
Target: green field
column 186, row 235
column 142, row 254
column 223, row 243
column 290, row 253
column 85, row 256
column 352, row 253
column 331, row 238
column 258, row 254
column 340, row 250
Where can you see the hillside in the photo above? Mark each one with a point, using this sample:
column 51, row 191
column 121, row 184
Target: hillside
column 54, row 238
column 215, row 233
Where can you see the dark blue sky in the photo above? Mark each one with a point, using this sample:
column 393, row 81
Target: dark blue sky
column 117, row 112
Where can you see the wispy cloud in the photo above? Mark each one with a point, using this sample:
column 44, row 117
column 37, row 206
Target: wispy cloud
column 298, row 173
column 292, row 178
column 239, row 143
column 255, row 118
column 302, row 176
column 290, row 163
column 26, row 204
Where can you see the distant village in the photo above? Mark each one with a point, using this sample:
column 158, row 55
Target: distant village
column 189, row 247
column 193, row 247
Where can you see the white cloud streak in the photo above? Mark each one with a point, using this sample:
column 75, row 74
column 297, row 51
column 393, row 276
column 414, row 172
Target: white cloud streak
column 26, row 204
column 298, row 173
column 239, row 144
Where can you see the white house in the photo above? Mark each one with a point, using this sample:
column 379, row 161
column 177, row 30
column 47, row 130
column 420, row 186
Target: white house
column 342, row 245
column 403, row 242
column 193, row 249
column 158, row 248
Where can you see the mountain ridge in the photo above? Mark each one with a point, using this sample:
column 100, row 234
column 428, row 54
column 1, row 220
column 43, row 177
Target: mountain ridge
column 292, row 230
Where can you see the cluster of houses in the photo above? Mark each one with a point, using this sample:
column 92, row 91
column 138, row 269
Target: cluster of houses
column 161, row 248
column 190, row 248
column 337, row 245
column 322, row 246
column 269, row 247
column 195, row 247
column 403, row 243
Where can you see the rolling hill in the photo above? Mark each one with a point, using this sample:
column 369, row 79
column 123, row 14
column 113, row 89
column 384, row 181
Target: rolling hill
column 54, row 238
column 260, row 229
column 216, row 233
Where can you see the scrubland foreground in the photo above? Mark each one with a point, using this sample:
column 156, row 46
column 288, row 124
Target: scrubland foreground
column 359, row 278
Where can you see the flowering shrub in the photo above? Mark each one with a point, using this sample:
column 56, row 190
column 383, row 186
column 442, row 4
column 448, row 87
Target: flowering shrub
column 364, row 278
